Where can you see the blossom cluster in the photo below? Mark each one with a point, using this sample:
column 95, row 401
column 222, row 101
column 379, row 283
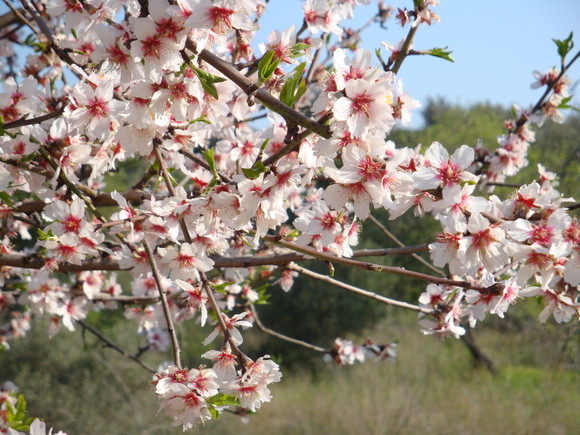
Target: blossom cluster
column 177, row 86
column 345, row 352
column 192, row 396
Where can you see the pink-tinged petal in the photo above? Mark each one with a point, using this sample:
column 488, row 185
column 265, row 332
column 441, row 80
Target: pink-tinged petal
column 104, row 90
column 463, row 156
column 477, row 223
column 143, row 28
column 342, row 109
column 426, row 178
column 436, row 154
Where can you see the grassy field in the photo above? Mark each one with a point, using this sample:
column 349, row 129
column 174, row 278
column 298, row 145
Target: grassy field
column 82, row 388
column 433, row 388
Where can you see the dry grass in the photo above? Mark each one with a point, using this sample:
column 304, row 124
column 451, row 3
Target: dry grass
column 432, row 388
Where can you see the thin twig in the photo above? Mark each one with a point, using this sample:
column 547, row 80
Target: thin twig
column 29, row 121
column 17, row 15
column 263, row 328
column 359, row 291
column 315, row 58
column 394, row 238
column 371, row 266
column 260, row 94
column 114, row 346
column 512, row 185
column 55, row 45
column 17, row 163
column 222, row 323
column 294, row 144
column 404, row 50
column 164, row 304
column 198, row 161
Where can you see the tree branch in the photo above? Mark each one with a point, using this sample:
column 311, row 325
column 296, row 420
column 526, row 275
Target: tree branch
column 398, row 242
column 29, row 121
column 114, row 346
column 359, row 291
column 36, row 262
column 371, row 266
column 262, row 328
column 164, row 304
column 262, row 95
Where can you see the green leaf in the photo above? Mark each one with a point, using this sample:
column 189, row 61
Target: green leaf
column 222, row 399
column 45, row 236
column 255, row 171
column 181, row 69
column 262, row 295
column 200, row 119
column 301, row 90
column 21, row 408
column 267, row 66
column 222, row 287
column 214, row 412
column 74, row 33
column 299, row 49
column 5, row 198
column 210, row 159
column 564, row 104
column 251, row 173
column 264, row 144
column 564, row 46
column 208, row 81
column 289, row 92
column 443, row 53
column 171, row 177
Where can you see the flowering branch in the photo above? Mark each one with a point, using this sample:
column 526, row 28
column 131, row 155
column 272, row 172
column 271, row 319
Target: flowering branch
column 370, row 266
column 222, row 323
column 36, row 262
column 265, row 97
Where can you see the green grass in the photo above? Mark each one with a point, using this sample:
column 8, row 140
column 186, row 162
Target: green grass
column 82, row 388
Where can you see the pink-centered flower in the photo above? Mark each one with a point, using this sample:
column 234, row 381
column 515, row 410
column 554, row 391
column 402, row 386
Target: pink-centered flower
column 443, row 171
column 365, row 106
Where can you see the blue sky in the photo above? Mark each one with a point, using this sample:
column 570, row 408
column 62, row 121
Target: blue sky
column 496, row 45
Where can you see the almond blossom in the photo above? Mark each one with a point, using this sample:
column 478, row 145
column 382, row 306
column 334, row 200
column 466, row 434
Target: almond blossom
column 365, row 104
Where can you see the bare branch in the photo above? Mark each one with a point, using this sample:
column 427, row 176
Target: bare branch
column 262, row 328
column 394, row 238
column 358, row 291
column 164, row 304
column 112, row 345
